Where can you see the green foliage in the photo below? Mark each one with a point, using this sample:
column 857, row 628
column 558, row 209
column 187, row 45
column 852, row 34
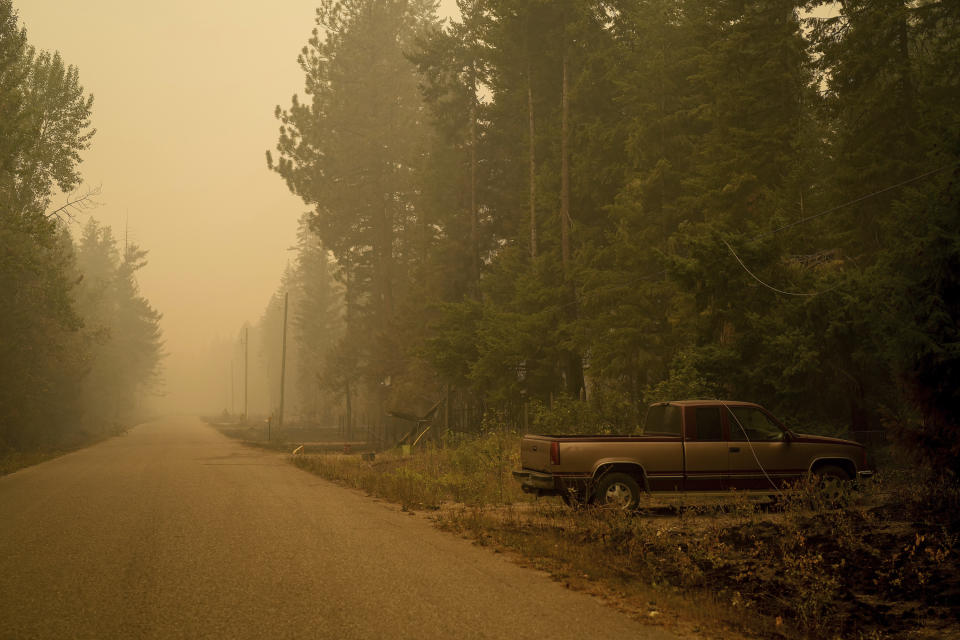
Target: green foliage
column 41, row 353
column 317, row 325
column 472, row 469
column 78, row 344
column 43, row 126
column 352, row 154
column 566, row 415
column 122, row 328
column 915, row 319
column 687, row 377
column 801, row 568
column 759, row 208
column 44, row 121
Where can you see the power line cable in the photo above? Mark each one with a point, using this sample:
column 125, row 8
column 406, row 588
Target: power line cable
column 752, row 450
column 663, row 272
column 772, row 288
column 857, row 200
column 823, row 213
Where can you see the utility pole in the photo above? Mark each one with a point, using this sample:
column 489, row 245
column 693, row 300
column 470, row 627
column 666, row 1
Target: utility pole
column 246, row 350
column 283, row 359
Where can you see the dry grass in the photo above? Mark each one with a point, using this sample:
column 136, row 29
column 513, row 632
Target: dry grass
column 882, row 565
column 472, row 471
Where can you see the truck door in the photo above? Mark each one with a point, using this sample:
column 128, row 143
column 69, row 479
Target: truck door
column 760, row 456
column 705, row 449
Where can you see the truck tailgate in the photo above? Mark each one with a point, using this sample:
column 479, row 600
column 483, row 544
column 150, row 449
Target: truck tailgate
column 535, row 453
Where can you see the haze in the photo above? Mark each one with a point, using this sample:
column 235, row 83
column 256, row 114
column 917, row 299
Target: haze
column 709, row 247
column 184, row 97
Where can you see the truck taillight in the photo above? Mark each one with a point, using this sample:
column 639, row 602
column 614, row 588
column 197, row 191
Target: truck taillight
column 554, row 452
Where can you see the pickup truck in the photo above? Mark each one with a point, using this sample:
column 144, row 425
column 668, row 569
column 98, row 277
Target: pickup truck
column 690, row 446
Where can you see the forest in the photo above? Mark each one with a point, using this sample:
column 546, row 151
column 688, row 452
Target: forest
column 570, row 210
column 80, row 345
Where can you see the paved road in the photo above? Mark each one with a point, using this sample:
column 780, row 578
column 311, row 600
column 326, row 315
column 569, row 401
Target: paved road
column 174, row 531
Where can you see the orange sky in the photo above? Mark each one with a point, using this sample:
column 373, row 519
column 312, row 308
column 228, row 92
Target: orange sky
column 184, row 94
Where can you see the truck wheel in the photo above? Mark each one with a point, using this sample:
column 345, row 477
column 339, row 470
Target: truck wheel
column 829, row 482
column 618, row 490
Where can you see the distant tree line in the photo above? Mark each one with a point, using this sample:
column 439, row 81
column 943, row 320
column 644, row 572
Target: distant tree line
column 603, row 204
column 78, row 343
column 317, row 375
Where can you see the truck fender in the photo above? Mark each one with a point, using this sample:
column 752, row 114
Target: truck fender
column 846, row 463
column 632, row 467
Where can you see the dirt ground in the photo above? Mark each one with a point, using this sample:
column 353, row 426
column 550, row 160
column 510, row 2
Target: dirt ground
column 881, row 564
column 870, row 569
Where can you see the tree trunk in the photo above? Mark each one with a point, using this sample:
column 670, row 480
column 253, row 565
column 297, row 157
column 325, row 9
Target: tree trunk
column 349, row 419
column 385, row 259
column 474, row 223
column 573, row 363
column 906, row 72
column 564, row 174
column 533, row 169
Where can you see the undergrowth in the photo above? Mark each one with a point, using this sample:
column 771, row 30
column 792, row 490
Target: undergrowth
column 881, row 564
column 473, row 470
column 13, row 460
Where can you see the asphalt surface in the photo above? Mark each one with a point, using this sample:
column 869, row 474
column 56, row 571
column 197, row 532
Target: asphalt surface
column 175, row 531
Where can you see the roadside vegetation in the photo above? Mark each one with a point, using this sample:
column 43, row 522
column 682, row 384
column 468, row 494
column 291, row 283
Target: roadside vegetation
column 623, row 202
column 79, row 344
column 881, row 564
column 585, row 207
column 15, row 459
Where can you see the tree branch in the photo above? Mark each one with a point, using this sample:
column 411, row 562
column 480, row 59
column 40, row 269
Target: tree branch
column 75, row 205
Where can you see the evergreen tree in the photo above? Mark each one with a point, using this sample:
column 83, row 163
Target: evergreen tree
column 645, row 184
column 44, row 125
column 318, row 322
column 890, row 69
column 122, row 328
column 353, row 154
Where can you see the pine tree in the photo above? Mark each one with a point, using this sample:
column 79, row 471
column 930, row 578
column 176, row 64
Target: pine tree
column 44, row 125
column 353, row 153
column 317, row 320
column 122, row 328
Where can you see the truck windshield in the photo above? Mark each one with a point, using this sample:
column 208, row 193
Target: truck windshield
column 662, row 419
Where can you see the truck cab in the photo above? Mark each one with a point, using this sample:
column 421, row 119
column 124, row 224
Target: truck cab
column 689, row 446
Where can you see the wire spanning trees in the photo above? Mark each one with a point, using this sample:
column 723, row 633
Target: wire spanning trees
column 551, row 213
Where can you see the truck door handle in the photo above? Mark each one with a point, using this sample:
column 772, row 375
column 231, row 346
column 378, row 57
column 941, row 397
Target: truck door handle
column 734, row 449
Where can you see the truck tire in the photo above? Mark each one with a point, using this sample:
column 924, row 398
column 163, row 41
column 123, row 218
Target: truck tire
column 830, row 481
column 618, row 490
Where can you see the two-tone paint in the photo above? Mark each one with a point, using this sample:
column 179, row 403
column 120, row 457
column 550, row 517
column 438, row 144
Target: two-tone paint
column 555, row 465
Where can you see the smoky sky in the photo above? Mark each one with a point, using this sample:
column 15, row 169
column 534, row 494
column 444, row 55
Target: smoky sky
column 184, row 97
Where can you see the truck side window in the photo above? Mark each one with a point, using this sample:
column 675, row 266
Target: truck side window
column 709, row 426
column 663, row 419
column 756, row 424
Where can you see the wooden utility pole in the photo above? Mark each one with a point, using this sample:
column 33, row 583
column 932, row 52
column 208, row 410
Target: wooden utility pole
column 246, row 351
column 283, row 359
